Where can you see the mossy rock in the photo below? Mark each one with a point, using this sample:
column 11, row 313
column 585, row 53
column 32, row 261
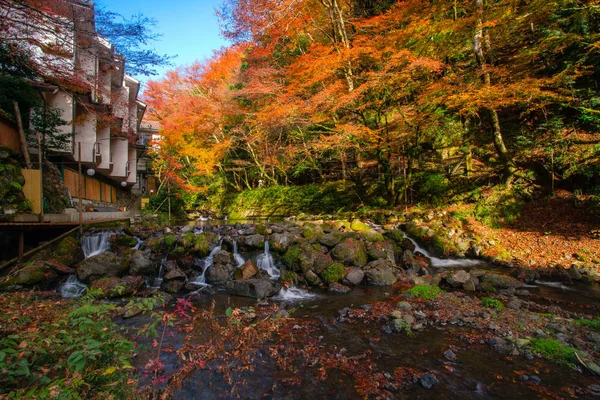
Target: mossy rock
column 371, row 235
column 69, row 251
column 261, row 229
column 123, row 241
column 204, row 243
column 334, row 273
column 312, row 232
column 350, row 252
column 358, row 226
column 300, row 257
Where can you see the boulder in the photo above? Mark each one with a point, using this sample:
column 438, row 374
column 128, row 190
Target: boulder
column 371, row 235
column 141, row 265
column 381, row 251
column 338, row 288
column 500, row 281
column 69, row 251
column 300, row 257
column 354, row 276
column 280, row 242
column 100, row 266
column 381, row 275
column 350, row 252
column 247, row 271
column 255, row 288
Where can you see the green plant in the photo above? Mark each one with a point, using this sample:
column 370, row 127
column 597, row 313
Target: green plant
column 333, row 273
column 425, row 292
column 555, row 351
column 488, row 302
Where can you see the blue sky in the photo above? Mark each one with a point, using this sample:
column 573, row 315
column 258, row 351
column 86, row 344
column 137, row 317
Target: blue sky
column 189, row 27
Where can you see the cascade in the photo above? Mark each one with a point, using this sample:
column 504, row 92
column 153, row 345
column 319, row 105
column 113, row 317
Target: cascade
column 93, row 245
column 265, row 262
column 441, row 262
column 208, row 262
column 72, row 288
column 239, row 260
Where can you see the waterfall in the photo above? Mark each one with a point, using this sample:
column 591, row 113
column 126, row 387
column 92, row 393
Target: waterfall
column 72, row 288
column 93, row 245
column 293, row 293
column 265, row 262
column 441, row 262
column 208, row 262
column 239, row 260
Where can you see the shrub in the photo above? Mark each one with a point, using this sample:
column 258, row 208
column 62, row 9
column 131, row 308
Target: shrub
column 492, row 303
column 425, row 292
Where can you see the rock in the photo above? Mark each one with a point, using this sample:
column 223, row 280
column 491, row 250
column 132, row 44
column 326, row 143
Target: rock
column 255, row 288
column 371, row 235
column 247, row 271
column 312, row 278
column 332, row 238
column 449, row 355
column 354, row 276
column 458, row 279
column 141, row 265
column 381, row 251
column 428, row 381
column 500, row 281
column 404, row 305
column 381, row 276
column 102, row 265
column 514, row 303
column 280, row 242
column 358, row 226
column 253, row 241
column 350, row 252
column 338, row 288
column 69, row 251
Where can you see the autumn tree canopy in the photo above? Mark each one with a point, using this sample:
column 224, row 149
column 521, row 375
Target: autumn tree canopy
column 398, row 91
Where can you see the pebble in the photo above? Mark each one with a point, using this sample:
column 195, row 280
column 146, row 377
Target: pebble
column 428, row 381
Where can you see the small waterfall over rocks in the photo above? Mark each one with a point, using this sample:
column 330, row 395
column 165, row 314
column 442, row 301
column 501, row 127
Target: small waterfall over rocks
column 72, row 288
column 265, row 262
column 444, row 262
column 239, row 260
column 97, row 243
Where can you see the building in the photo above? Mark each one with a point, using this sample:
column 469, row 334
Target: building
column 99, row 102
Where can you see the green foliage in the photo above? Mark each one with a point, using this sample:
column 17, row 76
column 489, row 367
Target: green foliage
column 80, row 353
column 425, row 292
column 333, row 273
column 555, row 351
column 488, row 302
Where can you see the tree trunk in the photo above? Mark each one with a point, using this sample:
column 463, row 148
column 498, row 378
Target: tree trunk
column 22, row 135
column 478, row 48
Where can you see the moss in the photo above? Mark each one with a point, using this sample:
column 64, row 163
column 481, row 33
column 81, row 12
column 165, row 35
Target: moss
column 334, row 273
column 555, row 351
column 425, row 292
column 492, row 303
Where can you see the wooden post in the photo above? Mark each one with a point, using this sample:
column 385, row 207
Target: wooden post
column 39, row 138
column 21, row 245
column 79, row 187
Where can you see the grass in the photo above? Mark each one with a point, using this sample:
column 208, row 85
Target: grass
column 554, row 351
column 488, row 302
column 425, row 292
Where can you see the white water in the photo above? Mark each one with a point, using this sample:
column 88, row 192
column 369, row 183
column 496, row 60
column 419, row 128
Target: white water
column 444, row 262
column 265, row 262
column 208, row 262
column 72, row 288
column 293, row 293
column 239, row 260
column 93, row 245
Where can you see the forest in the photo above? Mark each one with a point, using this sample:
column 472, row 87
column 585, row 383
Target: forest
column 404, row 101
